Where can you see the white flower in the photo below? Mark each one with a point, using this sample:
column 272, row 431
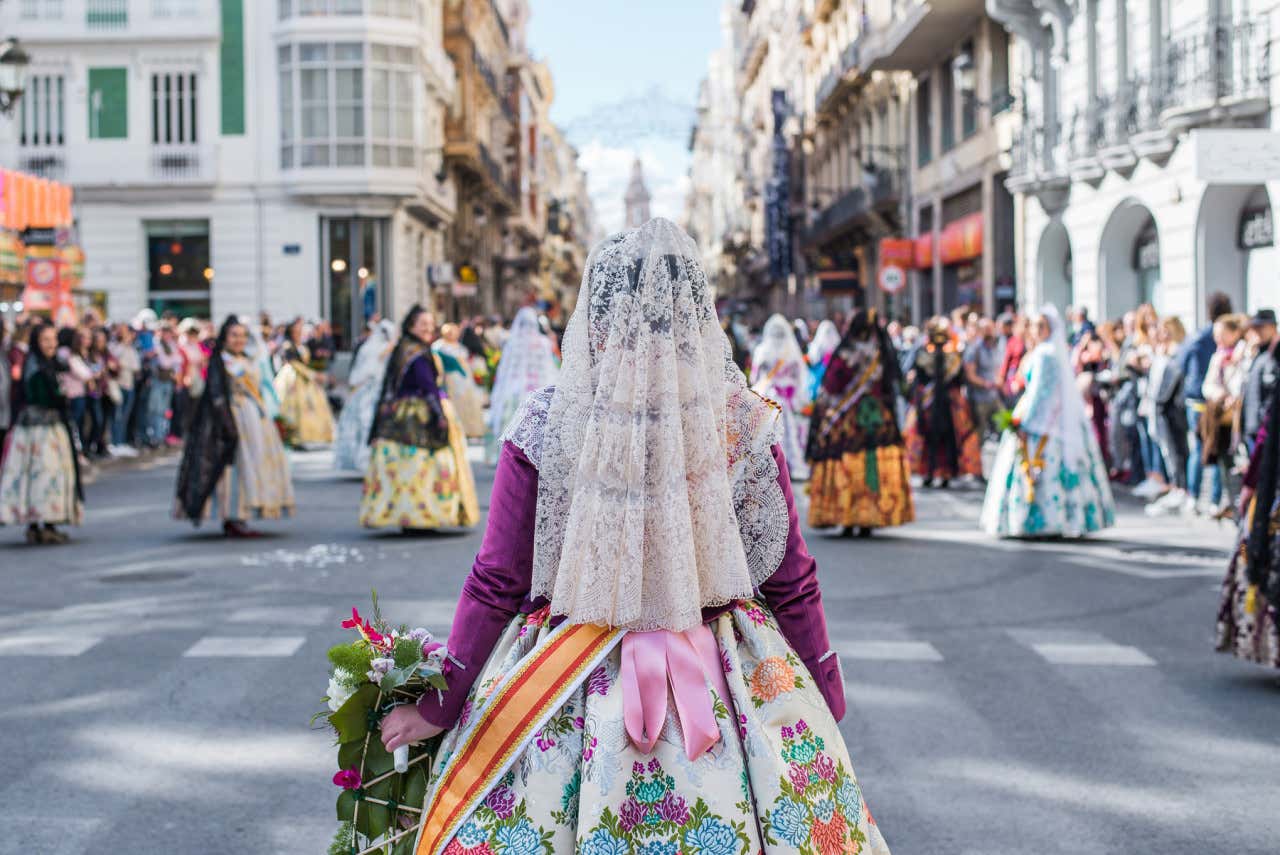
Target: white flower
column 378, row 669
column 340, row 688
column 420, row 635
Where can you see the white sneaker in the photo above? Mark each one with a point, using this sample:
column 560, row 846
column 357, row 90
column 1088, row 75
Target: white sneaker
column 1148, row 489
column 1166, row 505
column 1190, row 507
column 126, row 451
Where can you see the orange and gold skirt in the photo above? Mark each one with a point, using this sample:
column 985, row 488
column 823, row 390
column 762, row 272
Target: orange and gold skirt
column 869, row 489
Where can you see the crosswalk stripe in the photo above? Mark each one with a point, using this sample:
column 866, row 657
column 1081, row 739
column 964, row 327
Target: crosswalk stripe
column 890, row 651
column 1092, row 654
column 47, row 645
column 282, row 615
column 239, row 646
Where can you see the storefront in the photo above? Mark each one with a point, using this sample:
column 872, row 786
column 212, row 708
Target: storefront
column 179, row 272
column 355, row 253
column 1146, row 267
column 960, row 247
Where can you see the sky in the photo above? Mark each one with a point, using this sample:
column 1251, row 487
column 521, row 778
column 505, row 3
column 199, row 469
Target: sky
column 626, row 78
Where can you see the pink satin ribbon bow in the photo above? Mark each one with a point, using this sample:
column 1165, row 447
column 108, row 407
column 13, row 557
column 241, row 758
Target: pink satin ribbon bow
column 688, row 661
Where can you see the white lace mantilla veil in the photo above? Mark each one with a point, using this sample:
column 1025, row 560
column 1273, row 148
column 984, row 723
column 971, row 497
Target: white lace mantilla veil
column 371, row 361
column 658, row 492
column 1065, row 420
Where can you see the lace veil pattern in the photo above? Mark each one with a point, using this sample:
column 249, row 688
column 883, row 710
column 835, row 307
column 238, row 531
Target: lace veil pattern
column 657, row 487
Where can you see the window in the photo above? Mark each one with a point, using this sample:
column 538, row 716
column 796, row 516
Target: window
column 924, row 121
column 42, row 121
column 337, row 109
column 947, row 83
column 108, row 103
column 385, row 8
column 41, row 10
column 106, row 14
column 969, row 100
column 178, row 266
column 174, row 108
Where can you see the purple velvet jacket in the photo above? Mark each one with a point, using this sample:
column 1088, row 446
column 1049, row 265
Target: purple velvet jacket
column 498, row 589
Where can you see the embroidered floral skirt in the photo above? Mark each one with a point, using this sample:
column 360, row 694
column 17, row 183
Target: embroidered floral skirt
column 1067, row 501
column 411, row 487
column 1252, row 635
column 304, row 408
column 38, row 482
column 779, row 781
column 871, row 489
column 968, row 442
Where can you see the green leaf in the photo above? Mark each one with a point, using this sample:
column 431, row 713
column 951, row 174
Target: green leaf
column 346, row 805
column 351, row 721
column 437, row 680
column 415, row 785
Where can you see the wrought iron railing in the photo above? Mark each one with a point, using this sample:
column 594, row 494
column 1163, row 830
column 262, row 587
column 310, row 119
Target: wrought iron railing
column 847, row 60
column 1220, row 60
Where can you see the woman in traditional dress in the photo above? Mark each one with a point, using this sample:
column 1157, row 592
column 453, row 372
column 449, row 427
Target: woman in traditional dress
column 419, row 477
column 941, row 440
column 859, row 475
column 40, row 479
column 466, row 395
column 304, row 407
column 605, row 577
column 527, row 364
column 779, row 373
column 364, row 383
column 823, row 345
column 233, row 464
column 479, row 356
column 1049, row 477
column 1249, row 608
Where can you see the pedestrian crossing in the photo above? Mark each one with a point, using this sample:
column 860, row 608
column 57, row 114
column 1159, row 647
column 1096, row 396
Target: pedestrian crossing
column 275, row 632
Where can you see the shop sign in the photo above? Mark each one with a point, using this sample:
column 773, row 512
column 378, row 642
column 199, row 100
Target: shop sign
column 962, row 239
column 43, row 284
column 924, row 252
column 1256, row 229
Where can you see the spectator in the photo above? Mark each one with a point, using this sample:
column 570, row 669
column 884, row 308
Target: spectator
column 1193, row 361
column 127, row 367
column 1164, row 410
column 981, row 367
column 1262, row 378
column 1222, row 389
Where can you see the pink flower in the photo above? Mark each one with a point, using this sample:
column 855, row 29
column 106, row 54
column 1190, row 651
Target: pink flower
column 579, row 722
column 430, row 647
column 799, row 777
column 348, row 779
column 757, row 615
column 598, row 682
column 825, row 767
column 589, row 751
column 630, row 814
column 673, row 808
column 502, row 801
column 355, row 620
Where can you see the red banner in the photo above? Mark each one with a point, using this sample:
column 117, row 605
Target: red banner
column 924, row 252
column 897, row 252
column 962, row 239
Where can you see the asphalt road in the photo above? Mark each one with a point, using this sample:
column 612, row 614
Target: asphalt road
column 1005, row 699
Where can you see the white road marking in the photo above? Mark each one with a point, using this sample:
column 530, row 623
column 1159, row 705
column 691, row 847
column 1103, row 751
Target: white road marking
column 282, row 615
column 47, row 645
column 1092, row 654
column 239, row 646
column 889, row 651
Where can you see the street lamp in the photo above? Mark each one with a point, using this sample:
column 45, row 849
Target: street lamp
column 13, row 74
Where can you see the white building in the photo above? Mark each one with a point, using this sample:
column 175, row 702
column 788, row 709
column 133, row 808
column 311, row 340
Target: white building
column 1130, row 196
column 243, row 155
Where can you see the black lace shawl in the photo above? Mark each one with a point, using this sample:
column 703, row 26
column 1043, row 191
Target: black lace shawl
column 1263, row 569
column 845, row 424
column 41, row 388
column 211, row 441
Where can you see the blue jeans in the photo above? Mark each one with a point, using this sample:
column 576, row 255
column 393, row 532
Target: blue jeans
column 1152, row 459
column 76, row 408
column 120, row 418
column 159, row 397
column 1195, row 461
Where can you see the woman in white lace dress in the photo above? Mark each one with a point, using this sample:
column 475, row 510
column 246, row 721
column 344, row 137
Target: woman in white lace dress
column 779, row 372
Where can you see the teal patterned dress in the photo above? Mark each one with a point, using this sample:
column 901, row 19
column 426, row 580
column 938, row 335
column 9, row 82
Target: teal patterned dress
column 1062, row 499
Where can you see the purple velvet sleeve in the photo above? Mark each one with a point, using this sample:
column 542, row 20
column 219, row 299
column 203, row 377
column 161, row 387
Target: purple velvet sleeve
column 497, row 588
column 795, row 598
column 420, row 379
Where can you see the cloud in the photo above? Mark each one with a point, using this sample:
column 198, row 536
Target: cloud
column 608, row 169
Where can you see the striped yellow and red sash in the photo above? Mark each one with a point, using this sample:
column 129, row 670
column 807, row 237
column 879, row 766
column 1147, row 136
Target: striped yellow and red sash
column 524, row 700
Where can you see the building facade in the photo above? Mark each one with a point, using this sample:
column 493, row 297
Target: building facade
column 1147, row 167
column 324, row 158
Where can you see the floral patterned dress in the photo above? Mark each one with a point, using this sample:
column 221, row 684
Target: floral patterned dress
column 304, row 407
column 1052, row 499
column 39, row 481
column 779, row 781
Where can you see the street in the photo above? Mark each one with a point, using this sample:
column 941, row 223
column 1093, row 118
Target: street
column 1005, row 698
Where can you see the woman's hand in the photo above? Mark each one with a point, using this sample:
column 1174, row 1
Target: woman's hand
column 404, row 725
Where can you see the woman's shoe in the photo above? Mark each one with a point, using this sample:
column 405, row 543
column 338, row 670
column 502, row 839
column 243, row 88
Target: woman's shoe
column 34, row 537
column 237, row 529
column 49, row 534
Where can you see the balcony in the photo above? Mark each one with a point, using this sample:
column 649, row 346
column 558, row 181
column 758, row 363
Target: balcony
column 909, row 39
column 839, row 78
column 1039, row 166
column 856, row 207
column 45, row 161
column 1218, row 73
column 181, row 163
column 1084, row 137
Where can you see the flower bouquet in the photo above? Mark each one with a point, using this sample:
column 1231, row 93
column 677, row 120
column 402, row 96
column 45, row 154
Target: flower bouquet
column 1003, row 420
column 380, row 806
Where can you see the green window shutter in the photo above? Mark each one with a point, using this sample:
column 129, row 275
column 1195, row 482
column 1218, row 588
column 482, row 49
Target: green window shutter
column 231, row 61
column 108, row 103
